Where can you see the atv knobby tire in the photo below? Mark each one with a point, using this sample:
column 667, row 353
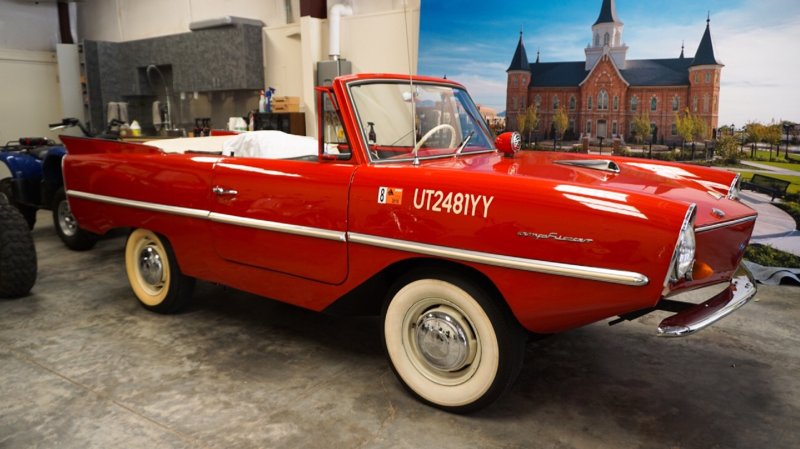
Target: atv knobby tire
column 17, row 253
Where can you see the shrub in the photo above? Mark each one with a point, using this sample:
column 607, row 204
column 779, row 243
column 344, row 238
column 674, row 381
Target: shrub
column 770, row 257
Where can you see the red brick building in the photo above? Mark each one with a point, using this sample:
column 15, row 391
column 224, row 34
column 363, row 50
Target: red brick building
column 605, row 92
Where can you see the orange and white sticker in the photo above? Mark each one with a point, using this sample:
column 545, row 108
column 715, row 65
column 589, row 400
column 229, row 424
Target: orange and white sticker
column 390, row 195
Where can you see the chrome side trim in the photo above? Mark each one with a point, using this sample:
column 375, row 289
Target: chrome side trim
column 723, row 224
column 175, row 210
column 498, row 260
column 274, row 226
column 216, row 217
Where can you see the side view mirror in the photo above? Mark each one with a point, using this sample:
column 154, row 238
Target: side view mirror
column 508, row 143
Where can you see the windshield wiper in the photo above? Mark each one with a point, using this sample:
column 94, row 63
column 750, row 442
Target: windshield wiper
column 464, row 142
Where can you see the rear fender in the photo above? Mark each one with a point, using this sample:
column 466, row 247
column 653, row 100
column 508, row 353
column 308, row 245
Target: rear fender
column 20, row 166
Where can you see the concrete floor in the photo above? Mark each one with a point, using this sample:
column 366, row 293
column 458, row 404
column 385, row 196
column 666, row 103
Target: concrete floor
column 83, row 366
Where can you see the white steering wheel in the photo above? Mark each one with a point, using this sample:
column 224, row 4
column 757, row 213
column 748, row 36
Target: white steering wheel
column 433, row 131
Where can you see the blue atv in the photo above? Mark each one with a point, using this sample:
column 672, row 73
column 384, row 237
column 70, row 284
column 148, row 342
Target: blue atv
column 31, row 179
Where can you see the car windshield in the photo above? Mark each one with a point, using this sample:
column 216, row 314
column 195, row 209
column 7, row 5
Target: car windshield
column 438, row 119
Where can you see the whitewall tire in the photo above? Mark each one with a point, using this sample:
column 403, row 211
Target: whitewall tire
column 153, row 273
column 450, row 343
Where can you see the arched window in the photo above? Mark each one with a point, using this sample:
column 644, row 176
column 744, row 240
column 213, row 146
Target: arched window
column 602, row 101
column 606, row 39
column 589, row 103
column 514, row 82
column 708, row 77
column 523, row 80
column 676, row 103
column 653, row 104
column 634, row 103
column 572, row 103
column 596, row 40
column 537, row 100
column 694, row 103
column 588, row 127
column 614, row 128
column 555, row 102
column 616, row 103
column 674, row 130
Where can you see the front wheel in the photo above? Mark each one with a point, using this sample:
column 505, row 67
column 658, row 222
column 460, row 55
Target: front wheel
column 67, row 227
column 17, row 253
column 28, row 212
column 451, row 344
column 154, row 275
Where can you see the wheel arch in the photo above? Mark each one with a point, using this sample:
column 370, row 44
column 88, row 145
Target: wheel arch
column 370, row 296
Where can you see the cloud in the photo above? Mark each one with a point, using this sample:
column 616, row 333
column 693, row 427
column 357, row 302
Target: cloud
column 756, row 41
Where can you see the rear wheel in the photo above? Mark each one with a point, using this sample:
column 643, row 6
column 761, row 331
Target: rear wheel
column 17, row 253
column 154, row 274
column 450, row 343
column 67, row 227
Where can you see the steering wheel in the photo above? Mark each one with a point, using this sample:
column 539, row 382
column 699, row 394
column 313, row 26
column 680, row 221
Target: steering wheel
column 433, row 131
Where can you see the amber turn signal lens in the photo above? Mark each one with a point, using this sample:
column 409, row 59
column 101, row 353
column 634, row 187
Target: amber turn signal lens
column 701, row 270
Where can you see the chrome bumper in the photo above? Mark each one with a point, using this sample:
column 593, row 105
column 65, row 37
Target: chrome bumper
column 741, row 290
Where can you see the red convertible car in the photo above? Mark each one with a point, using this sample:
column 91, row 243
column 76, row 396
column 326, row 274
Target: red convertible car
column 407, row 205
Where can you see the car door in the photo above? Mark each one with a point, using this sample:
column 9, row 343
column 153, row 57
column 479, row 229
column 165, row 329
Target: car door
column 286, row 216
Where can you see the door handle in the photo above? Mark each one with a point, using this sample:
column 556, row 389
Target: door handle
column 219, row 191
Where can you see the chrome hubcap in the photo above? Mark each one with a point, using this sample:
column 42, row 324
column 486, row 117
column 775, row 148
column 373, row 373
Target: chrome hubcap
column 66, row 221
column 442, row 339
column 151, row 266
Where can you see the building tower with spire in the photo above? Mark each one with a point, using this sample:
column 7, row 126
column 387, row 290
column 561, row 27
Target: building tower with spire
column 519, row 77
column 704, row 75
column 606, row 37
column 605, row 92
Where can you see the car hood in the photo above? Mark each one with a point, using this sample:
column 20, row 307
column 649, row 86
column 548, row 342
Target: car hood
column 703, row 186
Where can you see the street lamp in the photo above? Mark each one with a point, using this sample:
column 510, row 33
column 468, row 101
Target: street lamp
column 600, row 138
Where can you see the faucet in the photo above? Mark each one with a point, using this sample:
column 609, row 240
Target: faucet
column 168, row 123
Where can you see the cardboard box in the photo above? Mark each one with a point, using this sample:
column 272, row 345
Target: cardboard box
column 285, row 100
column 284, row 107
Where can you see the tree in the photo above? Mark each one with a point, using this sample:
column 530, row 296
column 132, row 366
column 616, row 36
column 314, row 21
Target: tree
column 755, row 134
column 772, row 136
column 689, row 128
column 532, row 117
column 560, row 122
column 528, row 121
column 641, row 126
column 728, row 149
column 522, row 123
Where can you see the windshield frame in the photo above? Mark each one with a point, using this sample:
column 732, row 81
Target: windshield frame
column 471, row 109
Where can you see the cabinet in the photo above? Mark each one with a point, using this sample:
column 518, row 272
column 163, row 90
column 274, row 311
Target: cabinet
column 288, row 122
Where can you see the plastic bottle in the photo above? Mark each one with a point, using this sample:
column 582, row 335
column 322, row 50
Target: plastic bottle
column 136, row 130
column 262, row 102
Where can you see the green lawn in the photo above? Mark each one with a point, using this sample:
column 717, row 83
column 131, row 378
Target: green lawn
column 786, row 165
column 794, row 187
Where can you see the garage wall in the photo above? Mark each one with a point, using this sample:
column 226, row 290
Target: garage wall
column 28, row 70
column 376, row 39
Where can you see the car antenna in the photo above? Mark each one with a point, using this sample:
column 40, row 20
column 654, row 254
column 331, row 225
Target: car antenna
column 411, row 85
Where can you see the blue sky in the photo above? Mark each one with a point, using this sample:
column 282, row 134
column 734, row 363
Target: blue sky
column 758, row 41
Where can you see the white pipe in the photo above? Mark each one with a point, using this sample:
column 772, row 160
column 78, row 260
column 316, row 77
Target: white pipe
column 337, row 11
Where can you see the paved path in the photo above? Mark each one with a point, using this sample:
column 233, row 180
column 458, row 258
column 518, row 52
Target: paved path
column 774, row 227
column 770, row 168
